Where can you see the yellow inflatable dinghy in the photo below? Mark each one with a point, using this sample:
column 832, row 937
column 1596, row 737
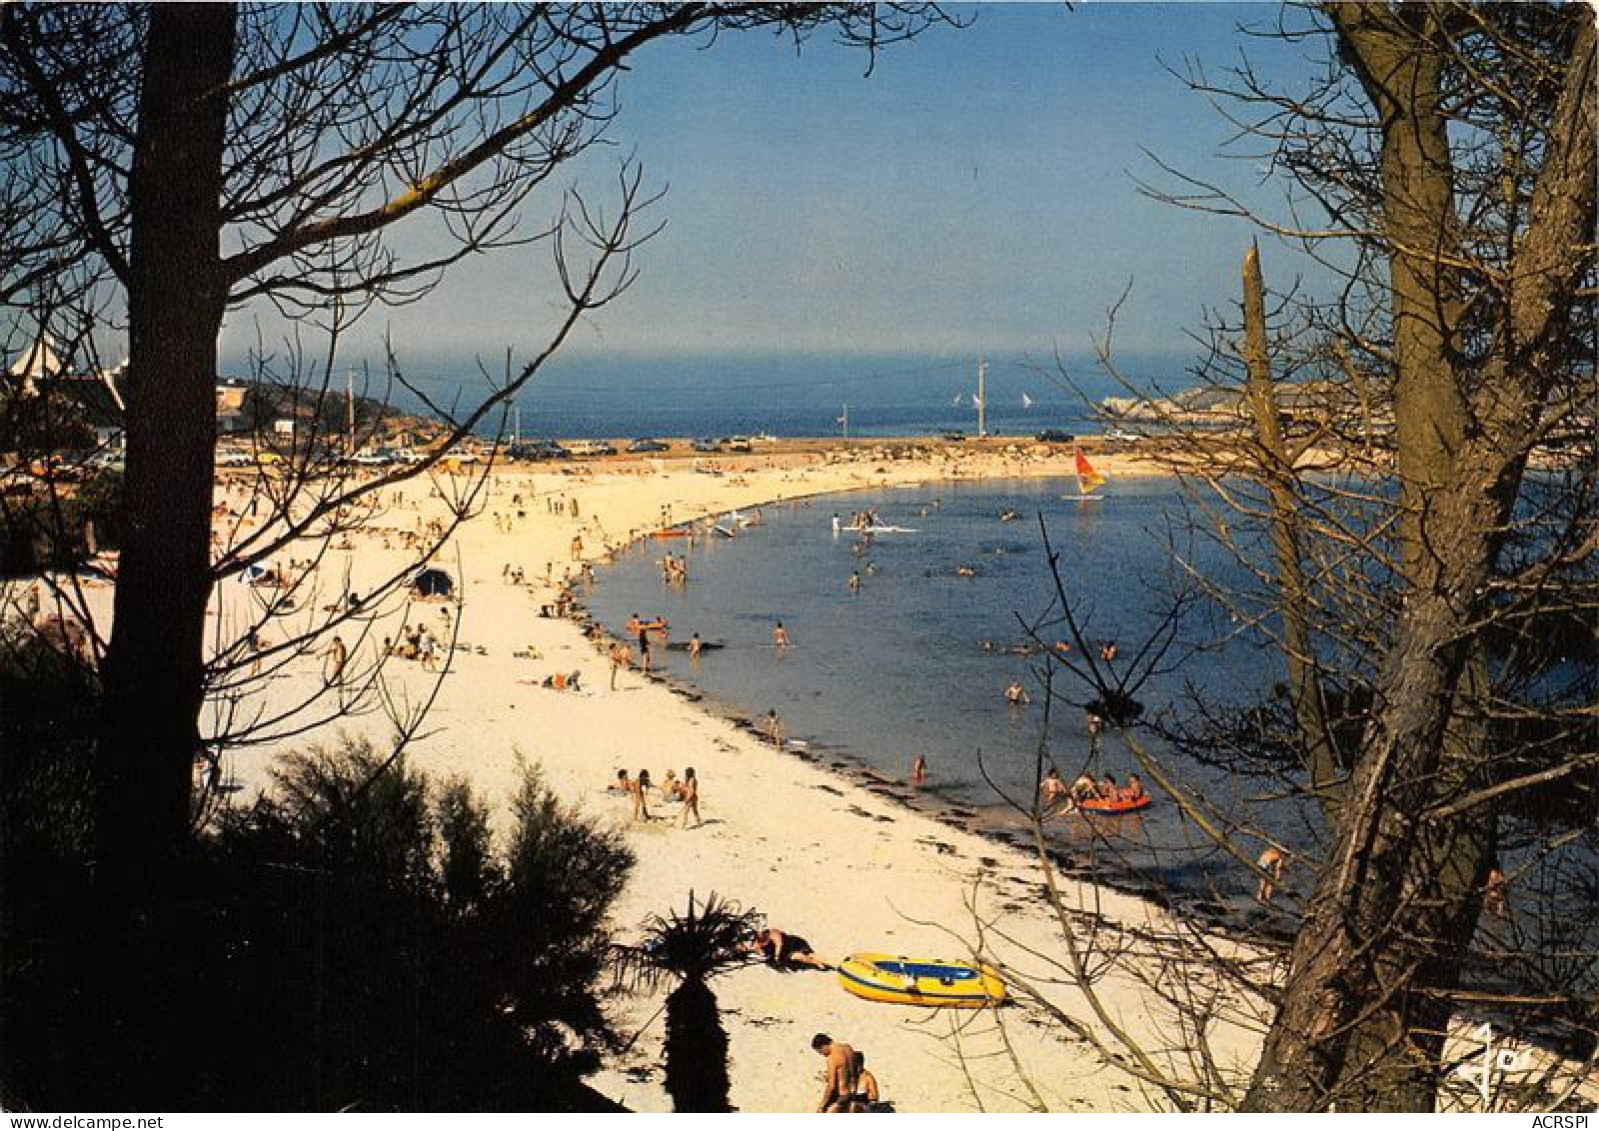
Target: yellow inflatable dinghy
column 920, row 981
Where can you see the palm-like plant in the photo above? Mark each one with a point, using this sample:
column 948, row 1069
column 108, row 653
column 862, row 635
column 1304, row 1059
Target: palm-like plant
column 707, row 940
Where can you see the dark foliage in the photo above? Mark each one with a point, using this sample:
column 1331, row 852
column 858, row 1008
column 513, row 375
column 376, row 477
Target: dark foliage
column 45, row 528
column 708, row 939
column 352, row 944
column 696, row 1050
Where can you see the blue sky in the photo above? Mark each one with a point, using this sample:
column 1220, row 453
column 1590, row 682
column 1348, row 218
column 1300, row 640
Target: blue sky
column 975, row 192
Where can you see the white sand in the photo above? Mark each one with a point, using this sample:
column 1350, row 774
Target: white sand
column 819, row 856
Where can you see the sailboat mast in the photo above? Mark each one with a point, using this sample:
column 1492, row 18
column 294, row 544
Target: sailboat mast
column 349, row 410
column 982, row 398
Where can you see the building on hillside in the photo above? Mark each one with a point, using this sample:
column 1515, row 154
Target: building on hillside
column 232, row 396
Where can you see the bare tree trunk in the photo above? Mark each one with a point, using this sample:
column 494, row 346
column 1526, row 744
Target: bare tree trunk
column 1304, row 676
column 1399, row 896
column 176, row 296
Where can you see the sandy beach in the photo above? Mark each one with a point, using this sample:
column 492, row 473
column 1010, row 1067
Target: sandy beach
column 848, row 868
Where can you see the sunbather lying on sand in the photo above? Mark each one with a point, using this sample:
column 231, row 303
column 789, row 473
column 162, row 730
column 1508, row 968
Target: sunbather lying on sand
column 785, row 951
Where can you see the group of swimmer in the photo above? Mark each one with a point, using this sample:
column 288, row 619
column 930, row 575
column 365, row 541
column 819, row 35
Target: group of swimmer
column 860, row 522
column 674, row 571
column 1054, row 793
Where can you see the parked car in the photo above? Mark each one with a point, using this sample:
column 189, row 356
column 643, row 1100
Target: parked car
column 538, row 450
column 1122, row 436
column 953, row 436
column 591, row 448
column 1055, row 436
column 706, row 444
column 737, row 444
column 647, row 445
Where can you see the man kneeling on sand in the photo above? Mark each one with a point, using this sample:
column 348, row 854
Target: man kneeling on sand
column 838, row 1091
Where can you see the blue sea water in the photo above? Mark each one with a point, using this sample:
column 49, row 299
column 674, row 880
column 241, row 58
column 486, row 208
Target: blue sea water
column 794, row 395
column 900, row 667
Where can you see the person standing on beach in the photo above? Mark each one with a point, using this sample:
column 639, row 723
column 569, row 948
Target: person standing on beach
column 616, row 663
column 640, row 788
column 780, row 637
column 839, row 1083
column 774, row 728
column 919, row 769
column 635, row 629
column 689, row 791
column 577, row 546
column 337, row 655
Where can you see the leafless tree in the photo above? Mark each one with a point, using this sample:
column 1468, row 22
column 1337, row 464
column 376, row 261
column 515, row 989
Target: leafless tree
column 168, row 163
column 1406, row 472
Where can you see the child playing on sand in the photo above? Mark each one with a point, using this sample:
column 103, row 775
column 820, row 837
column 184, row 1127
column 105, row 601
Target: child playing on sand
column 867, row 1096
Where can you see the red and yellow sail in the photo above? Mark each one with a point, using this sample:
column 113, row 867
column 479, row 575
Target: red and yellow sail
column 1088, row 480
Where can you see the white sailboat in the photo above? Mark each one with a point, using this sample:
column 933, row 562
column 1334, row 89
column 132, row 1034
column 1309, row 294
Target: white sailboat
column 1027, row 401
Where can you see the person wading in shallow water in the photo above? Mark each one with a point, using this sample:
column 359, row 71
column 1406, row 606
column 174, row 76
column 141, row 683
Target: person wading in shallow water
column 1274, row 861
